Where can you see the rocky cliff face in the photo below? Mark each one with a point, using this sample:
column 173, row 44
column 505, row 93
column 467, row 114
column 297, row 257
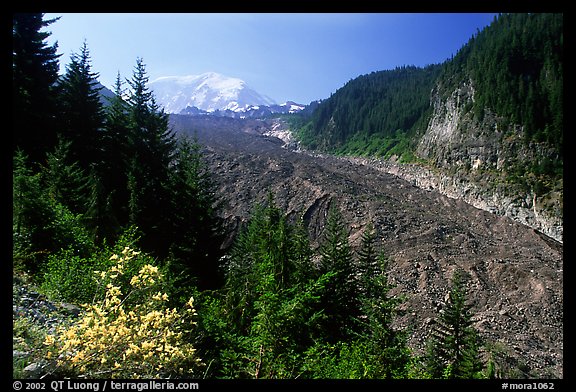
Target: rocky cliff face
column 472, row 160
column 526, row 209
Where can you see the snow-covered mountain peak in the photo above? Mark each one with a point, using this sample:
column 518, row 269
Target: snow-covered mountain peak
column 209, row 91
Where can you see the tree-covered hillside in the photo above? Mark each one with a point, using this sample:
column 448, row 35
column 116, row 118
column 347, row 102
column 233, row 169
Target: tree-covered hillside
column 372, row 113
column 515, row 66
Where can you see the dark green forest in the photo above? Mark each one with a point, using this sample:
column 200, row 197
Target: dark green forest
column 515, row 66
column 373, row 113
column 113, row 209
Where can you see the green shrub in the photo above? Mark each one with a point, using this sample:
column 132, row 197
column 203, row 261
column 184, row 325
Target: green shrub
column 69, row 276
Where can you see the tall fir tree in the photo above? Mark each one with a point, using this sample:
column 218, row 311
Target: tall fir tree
column 266, row 316
column 194, row 226
column 386, row 345
column 65, row 181
column 153, row 146
column 34, row 76
column 99, row 218
column 341, row 302
column 82, row 113
column 367, row 265
column 116, row 153
column 453, row 351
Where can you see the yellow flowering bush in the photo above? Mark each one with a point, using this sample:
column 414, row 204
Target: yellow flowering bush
column 131, row 334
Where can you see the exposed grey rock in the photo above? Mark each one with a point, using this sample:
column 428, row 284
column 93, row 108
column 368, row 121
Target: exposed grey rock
column 469, row 158
column 71, row 309
column 529, row 211
column 34, row 370
column 19, row 354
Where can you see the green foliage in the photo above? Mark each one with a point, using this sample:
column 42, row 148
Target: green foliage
column 68, row 232
column 342, row 360
column 191, row 216
column 152, row 146
column 66, row 183
column 31, row 213
column 34, row 75
column 516, row 65
column 267, row 313
column 278, row 317
column 82, row 115
column 370, row 114
column 268, row 236
column 453, row 348
column 341, row 303
column 116, row 154
column 42, row 224
column 69, row 275
column 127, row 332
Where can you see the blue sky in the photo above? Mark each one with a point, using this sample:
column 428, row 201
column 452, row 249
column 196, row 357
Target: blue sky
column 299, row 57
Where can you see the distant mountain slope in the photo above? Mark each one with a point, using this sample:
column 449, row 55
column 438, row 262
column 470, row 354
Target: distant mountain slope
column 105, row 94
column 208, row 92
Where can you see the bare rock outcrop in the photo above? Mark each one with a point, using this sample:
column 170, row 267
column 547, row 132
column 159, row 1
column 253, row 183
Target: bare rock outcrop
column 472, row 160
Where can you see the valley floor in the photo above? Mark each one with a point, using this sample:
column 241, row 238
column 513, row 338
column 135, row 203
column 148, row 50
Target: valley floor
column 516, row 273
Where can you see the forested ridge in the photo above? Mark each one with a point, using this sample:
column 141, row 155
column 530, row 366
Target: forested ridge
column 373, row 112
column 515, row 67
column 115, row 212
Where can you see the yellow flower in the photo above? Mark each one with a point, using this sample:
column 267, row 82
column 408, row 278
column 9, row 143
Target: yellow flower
column 49, row 341
column 70, row 334
column 113, row 291
column 135, row 280
column 148, row 269
column 160, row 297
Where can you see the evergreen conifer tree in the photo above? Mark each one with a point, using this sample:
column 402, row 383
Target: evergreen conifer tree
column 32, row 212
column 266, row 318
column 99, row 218
column 367, row 264
column 116, row 153
column 192, row 218
column 453, row 349
column 65, row 181
column 152, row 146
column 82, row 114
column 341, row 302
column 34, row 76
column 385, row 346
